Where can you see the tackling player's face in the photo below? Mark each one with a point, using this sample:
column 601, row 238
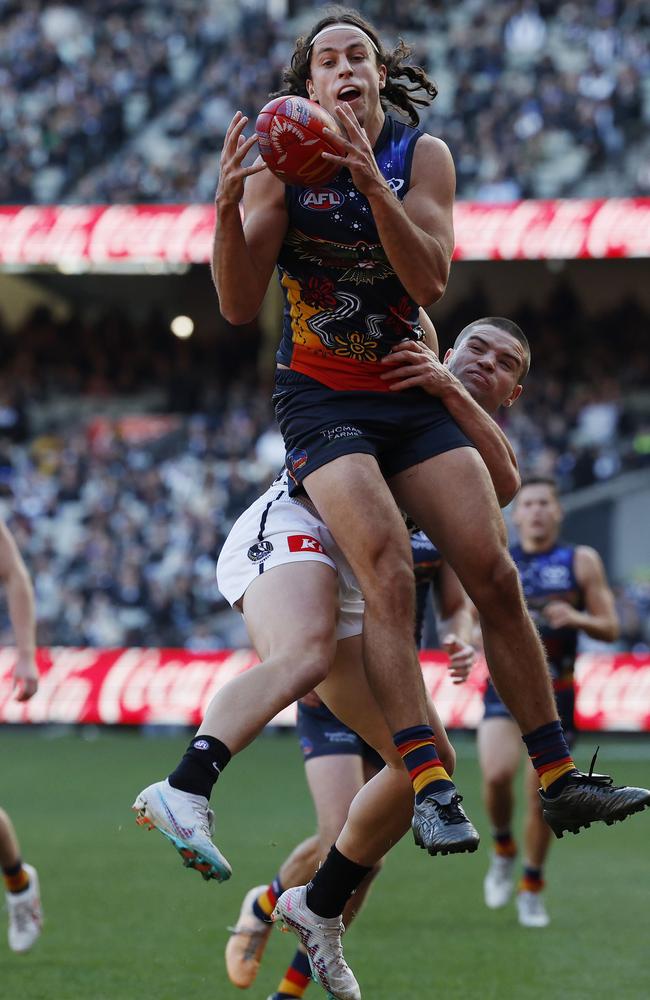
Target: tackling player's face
column 488, row 362
column 537, row 514
column 344, row 70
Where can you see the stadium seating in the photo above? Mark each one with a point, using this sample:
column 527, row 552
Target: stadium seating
column 128, row 101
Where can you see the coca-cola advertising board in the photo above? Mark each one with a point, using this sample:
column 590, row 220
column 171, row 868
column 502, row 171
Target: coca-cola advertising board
column 75, row 236
column 174, row 686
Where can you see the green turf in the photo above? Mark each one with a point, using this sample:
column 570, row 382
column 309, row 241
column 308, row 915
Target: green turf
column 124, row 920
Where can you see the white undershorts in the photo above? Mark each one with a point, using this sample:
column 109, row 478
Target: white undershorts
column 278, row 531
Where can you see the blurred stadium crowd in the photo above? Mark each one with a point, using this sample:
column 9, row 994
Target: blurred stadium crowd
column 128, row 100
column 122, row 473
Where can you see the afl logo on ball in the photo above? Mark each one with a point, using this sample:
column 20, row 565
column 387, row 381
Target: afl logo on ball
column 321, row 199
column 260, row 551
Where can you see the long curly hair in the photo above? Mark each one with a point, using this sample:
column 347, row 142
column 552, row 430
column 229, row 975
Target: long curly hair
column 403, row 82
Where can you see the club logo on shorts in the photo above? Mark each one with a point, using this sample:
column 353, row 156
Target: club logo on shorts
column 305, row 543
column 260, row 551
column 296, row 459
column 201, row 745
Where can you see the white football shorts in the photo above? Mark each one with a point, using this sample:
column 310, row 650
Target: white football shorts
column 277, row 531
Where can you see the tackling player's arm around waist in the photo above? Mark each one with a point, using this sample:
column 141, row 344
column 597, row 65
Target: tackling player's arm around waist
column 416, row 364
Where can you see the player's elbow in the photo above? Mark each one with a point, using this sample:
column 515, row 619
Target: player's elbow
column 237, row 314
column 613, row 631
column 237, row 308
column 431, row 291
column 508, row 487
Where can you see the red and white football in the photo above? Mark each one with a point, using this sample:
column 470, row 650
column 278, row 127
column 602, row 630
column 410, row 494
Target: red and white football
column 291, row 140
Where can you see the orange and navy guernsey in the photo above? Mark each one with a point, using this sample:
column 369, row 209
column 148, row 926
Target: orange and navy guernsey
column 344, row 306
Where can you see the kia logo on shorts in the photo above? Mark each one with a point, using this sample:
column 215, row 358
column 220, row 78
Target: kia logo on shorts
column 321, row 199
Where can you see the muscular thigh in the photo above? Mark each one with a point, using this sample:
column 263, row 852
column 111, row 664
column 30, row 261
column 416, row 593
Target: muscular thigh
column 356, row 504
column 292, row 607
column 452, row 499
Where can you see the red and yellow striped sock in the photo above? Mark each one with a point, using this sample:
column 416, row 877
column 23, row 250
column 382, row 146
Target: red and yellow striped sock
column 265, row 903
column 417, row 749
column 550, row 756
column 296, row 979
column 16, row 878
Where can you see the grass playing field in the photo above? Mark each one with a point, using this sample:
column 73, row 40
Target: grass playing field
column 124, row 920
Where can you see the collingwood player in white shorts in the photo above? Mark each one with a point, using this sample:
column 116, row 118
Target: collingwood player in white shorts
column 278, row 530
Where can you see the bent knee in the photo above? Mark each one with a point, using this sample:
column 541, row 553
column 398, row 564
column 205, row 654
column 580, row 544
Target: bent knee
column 497, row 586
column 302, row 674
column 389, row 586
column 317, row 666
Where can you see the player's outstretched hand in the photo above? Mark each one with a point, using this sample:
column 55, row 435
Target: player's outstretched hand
column 232, row 172
column 25, row 678
column 462, row 657
column 413, row 363
column 356, row 152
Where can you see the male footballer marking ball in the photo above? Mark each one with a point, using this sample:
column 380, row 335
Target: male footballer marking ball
column 291, row 140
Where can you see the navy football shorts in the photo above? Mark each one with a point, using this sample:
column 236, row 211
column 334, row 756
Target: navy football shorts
column 565, row 700
column 319, row 424
column 321, row 734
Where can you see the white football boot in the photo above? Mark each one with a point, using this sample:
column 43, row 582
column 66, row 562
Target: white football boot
column 321, row 936
column 499, row 881
column 531, row 910
column 187, row 821
column 25, row 914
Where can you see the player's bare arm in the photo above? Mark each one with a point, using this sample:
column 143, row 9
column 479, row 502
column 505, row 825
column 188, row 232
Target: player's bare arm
column 245, row 252
column 598, row 619
column 457, row 624
column 416, row 234
column 416, row 365
column 20, row 605
column 430, row 332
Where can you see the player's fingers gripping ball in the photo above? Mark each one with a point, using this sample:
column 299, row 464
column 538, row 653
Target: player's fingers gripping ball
column 291, row 140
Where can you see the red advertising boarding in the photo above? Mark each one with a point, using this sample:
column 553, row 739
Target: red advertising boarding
column 78, row 236
column 174, row 686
